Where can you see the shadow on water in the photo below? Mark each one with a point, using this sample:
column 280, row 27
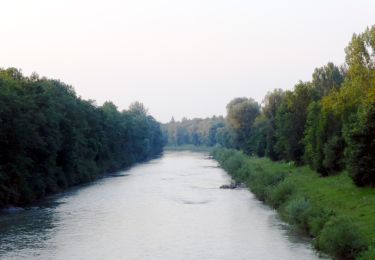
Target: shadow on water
column 29, row 228
column 115, row 175
column 33, row 226
column 292, row 234
column 190, row 202
column 181, row 192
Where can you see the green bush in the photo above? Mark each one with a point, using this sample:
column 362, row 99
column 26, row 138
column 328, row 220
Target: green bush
column 297, row 212
column 368, row 254
column 243, row 173
column 280, row 193
column 318, row 218
column 340, row 238
column 261, row 181
column 234, row 163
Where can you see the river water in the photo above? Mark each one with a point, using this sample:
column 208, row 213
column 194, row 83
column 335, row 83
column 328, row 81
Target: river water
column 170, row 208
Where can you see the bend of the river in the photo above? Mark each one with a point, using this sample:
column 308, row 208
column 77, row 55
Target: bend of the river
column 170, row 208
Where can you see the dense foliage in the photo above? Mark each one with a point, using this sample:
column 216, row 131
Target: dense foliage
column 51, row 139
column 199, row 132
column 327, row 123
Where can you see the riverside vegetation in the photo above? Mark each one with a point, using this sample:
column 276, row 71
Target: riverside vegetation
column 50, row 139
column 318, row 143
column 308, row 152
column 338, row 215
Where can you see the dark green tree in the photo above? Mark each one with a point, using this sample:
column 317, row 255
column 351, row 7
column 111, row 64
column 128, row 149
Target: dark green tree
column 241, row 114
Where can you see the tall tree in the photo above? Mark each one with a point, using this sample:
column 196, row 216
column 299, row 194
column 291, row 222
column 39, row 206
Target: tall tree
column 241, row 114
column 272, row 102
column 290, row 122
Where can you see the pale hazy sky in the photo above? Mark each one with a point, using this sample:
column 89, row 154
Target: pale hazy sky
column 180, row 58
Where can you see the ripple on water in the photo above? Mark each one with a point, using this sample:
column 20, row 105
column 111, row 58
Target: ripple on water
column 169, row 209
column 191, row 202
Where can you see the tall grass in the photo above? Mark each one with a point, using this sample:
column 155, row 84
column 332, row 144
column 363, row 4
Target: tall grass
column 337, row 214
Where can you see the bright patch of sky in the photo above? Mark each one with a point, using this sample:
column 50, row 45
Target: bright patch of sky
column 180, row 58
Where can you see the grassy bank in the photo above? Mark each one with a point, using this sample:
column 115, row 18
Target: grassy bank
column 189, row 147
column 337, row 214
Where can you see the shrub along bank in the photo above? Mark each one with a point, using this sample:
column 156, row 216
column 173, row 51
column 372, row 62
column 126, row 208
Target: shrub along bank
column 338, row 215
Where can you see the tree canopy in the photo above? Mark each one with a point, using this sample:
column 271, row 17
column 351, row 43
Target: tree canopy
column 327, row 123
column 51, row 139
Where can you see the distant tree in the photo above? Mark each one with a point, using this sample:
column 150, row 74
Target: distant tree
column 272, row 102
column 138, row 108
column 195, row 131
column 258, row 138
column 226, row 137
column 241, row 114
column 327, row 79
column 290, row 122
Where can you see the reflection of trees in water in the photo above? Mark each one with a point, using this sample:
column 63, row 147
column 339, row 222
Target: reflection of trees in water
column 33, row 228
column 27, row 229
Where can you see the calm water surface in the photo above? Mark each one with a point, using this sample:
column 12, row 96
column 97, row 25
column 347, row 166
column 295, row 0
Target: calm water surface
column 170, row 208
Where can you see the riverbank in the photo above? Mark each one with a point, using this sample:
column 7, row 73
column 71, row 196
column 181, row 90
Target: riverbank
column 337, row 214
column 103, row 175
column 189, row 147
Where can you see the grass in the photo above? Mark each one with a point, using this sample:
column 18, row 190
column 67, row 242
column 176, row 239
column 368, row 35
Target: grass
column 340, row 215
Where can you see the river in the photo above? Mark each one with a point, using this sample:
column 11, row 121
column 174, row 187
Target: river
column 170, row 208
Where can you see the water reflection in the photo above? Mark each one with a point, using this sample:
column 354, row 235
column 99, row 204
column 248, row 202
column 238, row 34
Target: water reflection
column 171, row 208
column 30, row 228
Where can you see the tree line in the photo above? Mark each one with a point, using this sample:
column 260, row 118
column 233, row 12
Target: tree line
column 327, row 122
column 50, row 139
column 197, row 131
